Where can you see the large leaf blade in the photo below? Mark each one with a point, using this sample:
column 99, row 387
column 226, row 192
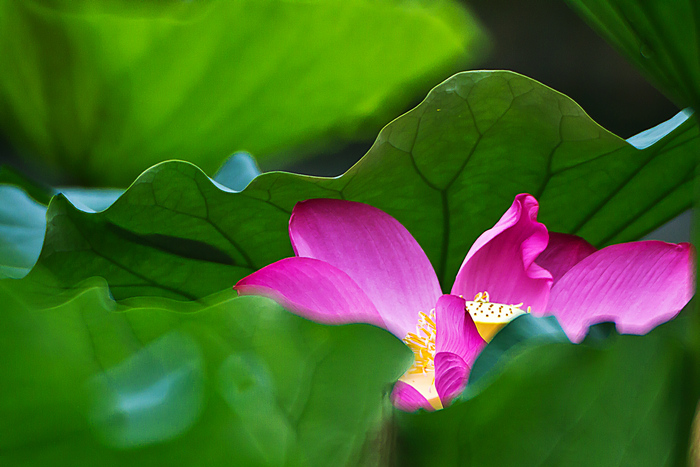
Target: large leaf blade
column 235, row 381
column 446, row 170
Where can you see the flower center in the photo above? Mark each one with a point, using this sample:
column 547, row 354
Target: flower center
column 491, row 317
column 422, row 342
column 422, row 374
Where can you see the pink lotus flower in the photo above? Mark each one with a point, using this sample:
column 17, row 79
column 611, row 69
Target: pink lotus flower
column 356, row 264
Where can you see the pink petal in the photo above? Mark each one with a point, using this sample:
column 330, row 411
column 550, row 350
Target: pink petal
column 312, row 289
column 562, row 253
column 451, row 376
column 407, row 398
column 501, row 261
column 637, row 285
column 455, row 330
column 375, row 250
column 457, row 344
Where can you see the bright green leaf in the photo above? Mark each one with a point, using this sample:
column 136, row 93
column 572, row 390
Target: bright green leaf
column 106, row 89
column 151, row 381
column 447, row 170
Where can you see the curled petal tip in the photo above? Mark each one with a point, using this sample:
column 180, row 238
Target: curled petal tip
column 502, row 260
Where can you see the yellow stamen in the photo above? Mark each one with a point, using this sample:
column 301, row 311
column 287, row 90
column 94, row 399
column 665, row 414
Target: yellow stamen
column 491, row 317
column 422, row 374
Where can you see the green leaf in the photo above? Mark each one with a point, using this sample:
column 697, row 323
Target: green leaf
column 23, row 220
column 523, row 331
column 447, row 170
column 622, row 403
column 224, row 381
column 105, row 90
column 662, row 39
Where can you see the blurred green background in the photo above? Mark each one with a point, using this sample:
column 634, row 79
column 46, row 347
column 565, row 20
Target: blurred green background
column 94, row 93
column 97, row 92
